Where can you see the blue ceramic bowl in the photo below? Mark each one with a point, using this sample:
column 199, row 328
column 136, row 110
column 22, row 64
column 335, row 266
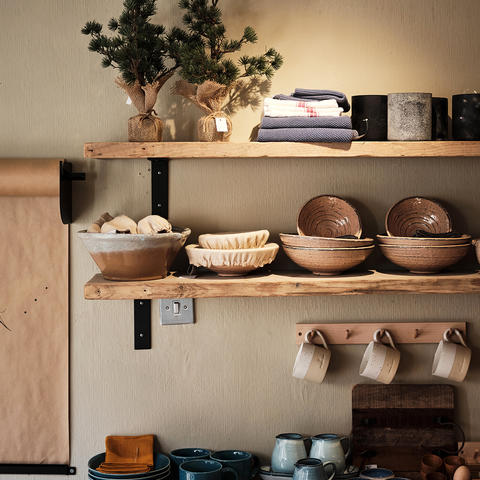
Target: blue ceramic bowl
column 166, row 476
column 160, row 468
column 377, row 474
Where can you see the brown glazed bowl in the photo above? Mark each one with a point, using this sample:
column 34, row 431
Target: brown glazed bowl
column 328, row 261
column 121, row 256
column 431, row 463
column 424, row 259
column 417, row 213
column 328, row 216
column 452, row 463
column 303, row 241
column 423, row 241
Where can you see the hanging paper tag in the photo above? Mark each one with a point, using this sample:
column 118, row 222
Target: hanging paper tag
column 221, row 123
column 129, row 101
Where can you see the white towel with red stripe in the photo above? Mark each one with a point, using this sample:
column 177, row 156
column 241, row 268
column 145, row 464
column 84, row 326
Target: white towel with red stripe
column 291, row 108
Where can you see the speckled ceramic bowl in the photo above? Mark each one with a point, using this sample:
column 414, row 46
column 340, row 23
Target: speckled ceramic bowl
column 303, row 241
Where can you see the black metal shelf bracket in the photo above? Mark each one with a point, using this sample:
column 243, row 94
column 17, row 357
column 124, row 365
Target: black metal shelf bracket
column 36, row 469
column 67, row 176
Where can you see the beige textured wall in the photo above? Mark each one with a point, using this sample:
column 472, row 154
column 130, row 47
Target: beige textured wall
column 226, row 381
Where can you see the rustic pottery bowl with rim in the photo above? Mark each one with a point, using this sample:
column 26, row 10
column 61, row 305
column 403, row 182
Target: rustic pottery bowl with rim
column 424, row 241
column 232, row 241
column 303, row 241
column 328, row 216
column 229, row 263
column 328, row 261
column 417, row 213
column 425, row 259
column 124, row 256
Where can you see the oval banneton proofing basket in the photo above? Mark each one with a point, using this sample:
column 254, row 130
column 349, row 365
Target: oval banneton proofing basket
column 328, row 216
column 121, row 256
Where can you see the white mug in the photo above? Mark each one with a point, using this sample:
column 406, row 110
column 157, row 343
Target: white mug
column 380, row 361
column 452, row 359
column 312, row 360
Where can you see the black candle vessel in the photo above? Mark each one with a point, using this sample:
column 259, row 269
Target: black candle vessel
column 439, row 118
column 466, row 116
column 369, row 114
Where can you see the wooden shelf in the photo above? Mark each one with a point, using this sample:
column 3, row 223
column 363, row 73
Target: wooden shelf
column 283, row 284
column 112, row 150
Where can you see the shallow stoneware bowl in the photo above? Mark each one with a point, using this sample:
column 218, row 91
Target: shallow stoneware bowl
column 232, row 241
column 417, row 213
column 423, row 241
column 121, row 256
column 425, row 259
column 303, row 241
column 328, row 261
column 228, row 263
column 328, row 216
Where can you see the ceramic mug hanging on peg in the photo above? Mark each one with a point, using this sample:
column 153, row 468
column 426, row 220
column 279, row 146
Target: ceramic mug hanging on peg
column 312, row 360
column 452, row 359
column 380, row 361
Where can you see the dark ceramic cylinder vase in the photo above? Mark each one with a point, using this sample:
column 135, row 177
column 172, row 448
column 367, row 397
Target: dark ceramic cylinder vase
column 439, row 118
column 466, row 116
column 369, row 113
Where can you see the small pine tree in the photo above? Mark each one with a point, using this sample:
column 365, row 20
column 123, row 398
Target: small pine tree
column 203, row 57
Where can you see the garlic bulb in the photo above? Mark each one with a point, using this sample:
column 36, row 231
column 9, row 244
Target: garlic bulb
column 153, row 224
column 120, row 224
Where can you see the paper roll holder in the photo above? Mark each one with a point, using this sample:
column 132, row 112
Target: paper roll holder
column 67, row 176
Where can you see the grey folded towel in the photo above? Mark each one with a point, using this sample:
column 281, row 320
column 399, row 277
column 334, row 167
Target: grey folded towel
column 306, row 122
column 306, row 95
column 306, row 135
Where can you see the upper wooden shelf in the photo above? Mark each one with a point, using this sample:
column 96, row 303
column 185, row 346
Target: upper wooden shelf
column 282, row 285
column 112, row 150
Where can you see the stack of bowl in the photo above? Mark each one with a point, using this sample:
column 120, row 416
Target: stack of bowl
column 420, row 237
column 160, row 470
column 232, row 254
column 329, row 237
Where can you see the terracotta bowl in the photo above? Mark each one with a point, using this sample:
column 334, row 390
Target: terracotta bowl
column 423, row 241
column 303, row 241
column 328, row 261
column 328, row 216
column 228, row 263
column 417, row 213
column 231, row 241
column 425, row 259
column 122, row 256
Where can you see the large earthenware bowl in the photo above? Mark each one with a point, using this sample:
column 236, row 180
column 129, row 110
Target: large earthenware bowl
column 328, row 261
column 303, row 241
column 328, row 216
column 423, row 241
column 417, row 213
column 121, row 256
column 425, row 259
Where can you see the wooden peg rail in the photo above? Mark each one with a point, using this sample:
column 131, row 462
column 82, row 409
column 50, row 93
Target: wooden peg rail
column 362, row 333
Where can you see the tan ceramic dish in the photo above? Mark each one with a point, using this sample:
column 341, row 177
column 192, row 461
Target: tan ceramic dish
column 328, row 216
column 303, row 241
column 121, row 256
column 417, row 213
column 229, row 263
column 425, row 259
column 328, row 261
column 423, row 241
column 232, row 241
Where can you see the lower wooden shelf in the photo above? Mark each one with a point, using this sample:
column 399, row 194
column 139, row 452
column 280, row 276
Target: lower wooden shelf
column 282, row 284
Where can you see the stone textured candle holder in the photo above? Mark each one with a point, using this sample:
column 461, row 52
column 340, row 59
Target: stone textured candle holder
column 409, row 116
column 369, row 112
column 439, row 118
column 466, row 116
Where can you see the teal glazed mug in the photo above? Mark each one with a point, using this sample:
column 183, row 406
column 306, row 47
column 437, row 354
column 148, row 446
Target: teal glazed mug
column 328, row 447
column 289, row 449
column 206, row 470
column 312, row 469
column 181, row 455
column 244, row 463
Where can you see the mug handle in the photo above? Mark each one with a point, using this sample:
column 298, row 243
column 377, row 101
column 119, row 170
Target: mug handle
column 380, row 333
column 255, row 466
column 347, row 437
column 454, row 331
column 319, row 334
column 230, row 470
column 334, row 469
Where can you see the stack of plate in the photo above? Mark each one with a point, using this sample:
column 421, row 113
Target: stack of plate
column 232, row 254
column 160, row 470
column 419, row 237
column 329, row 237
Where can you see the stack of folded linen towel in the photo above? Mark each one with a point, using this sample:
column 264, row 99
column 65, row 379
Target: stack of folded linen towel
column 306, row 116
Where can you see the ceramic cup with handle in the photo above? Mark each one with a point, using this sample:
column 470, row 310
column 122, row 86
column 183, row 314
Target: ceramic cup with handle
column 380, row 361
column 289, row 449
column 312, row 360
column 244, row 463
column 206, row 469
column 181, row 455
column 452, row 359
column 328, row 447
column 313, row 469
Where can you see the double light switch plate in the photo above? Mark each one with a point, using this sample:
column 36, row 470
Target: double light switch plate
column 176, row 311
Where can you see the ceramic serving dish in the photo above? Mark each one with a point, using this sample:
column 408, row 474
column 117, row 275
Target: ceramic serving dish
column 425, row 259
column 329, row 216
column 229, row 263
column 423, row 241
column 417, row 213
column 122, row 256
column 231, row 241
column 303, row 241
column 328, row 261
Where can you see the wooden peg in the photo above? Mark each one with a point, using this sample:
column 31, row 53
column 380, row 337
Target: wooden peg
column 347, row 334
column 417, row 333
